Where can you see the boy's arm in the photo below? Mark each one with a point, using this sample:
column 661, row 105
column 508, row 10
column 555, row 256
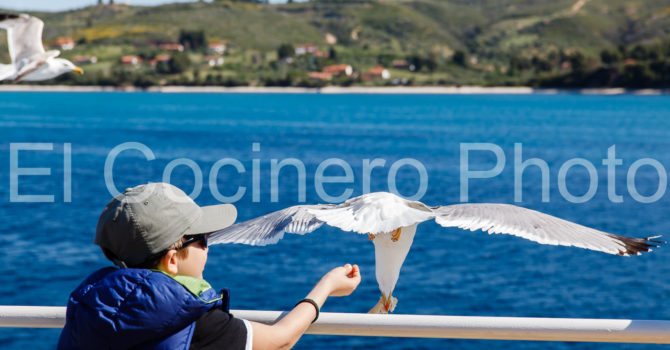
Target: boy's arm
column 340, row 281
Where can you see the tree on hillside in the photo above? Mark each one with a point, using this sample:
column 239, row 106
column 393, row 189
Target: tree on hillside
column 459, row 58
column 385, row 59
column 179, row 63
column 285, row 51
column 421, row 63
column 577, row 62
column 639, row 52
column 518, row 64
column 637, row 76
column 609, row 57
column 192, row 39
column 541, row 64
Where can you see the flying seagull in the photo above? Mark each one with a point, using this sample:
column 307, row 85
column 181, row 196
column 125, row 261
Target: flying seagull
column 390, row 222
column 29, row 60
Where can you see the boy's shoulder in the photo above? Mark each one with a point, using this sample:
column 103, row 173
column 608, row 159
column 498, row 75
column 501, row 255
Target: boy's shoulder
column 127, row 284
column 142, row 293
column 132, row 306
column 119, row 302
column 107, row 275
column 123, row 283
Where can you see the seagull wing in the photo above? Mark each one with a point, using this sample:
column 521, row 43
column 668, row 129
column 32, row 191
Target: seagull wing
column 24, row 35
column 270, row 228
column 27, row 66
column 374, row 213
column 7, row 71
column 537, row 227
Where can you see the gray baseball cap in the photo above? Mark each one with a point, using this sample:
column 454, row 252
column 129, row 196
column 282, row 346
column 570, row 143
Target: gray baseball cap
column 147, row 219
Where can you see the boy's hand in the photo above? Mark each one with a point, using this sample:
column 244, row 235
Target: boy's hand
column 343, row 280
column 340, row 281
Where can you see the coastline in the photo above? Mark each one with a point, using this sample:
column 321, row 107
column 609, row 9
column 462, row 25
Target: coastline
column 437, row 90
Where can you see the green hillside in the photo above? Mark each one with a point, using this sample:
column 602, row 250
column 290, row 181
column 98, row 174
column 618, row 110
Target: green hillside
column 487, row 42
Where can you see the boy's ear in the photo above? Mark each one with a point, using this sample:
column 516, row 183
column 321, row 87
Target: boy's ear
column 169, row 262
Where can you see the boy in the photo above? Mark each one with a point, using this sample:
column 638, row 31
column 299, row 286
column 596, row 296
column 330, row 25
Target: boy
column 157, row 298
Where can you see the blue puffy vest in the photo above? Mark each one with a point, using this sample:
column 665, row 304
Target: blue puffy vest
column 136, row 309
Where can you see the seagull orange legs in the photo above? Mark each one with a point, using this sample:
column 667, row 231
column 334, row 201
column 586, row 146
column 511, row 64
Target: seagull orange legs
column 386, row 301
column 384, row 305
column 395, row 235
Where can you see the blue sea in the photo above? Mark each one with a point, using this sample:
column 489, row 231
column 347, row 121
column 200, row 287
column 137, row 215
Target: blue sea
column 46, row 243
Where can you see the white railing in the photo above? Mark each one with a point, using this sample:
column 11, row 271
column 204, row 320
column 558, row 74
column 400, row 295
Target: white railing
column 418, row 326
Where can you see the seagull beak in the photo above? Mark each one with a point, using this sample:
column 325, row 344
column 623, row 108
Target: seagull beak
column 78, row 70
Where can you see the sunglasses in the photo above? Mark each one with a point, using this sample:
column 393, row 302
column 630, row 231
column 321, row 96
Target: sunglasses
column 201, row 239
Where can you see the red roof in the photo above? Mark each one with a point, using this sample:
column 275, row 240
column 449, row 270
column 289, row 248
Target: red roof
column 131, row 59
column 320, row 75
column 84, row 59
column 377, row 70
column 64, row 41
column 629, row 61
column 336, row 68
column 162, row 58
column 172, row 47
column 399, row 63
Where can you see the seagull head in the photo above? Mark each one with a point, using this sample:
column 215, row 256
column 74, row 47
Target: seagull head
column 65, row 66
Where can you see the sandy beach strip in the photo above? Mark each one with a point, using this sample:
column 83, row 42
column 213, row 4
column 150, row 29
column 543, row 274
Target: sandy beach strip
column 437, row 90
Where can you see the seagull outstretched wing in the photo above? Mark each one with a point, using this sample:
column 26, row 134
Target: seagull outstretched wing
column 24, row 36
column 270, row 228
column 382, row 212
column 537, row 227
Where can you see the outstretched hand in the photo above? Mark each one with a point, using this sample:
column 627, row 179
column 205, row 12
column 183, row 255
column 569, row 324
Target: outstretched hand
column 342, row 280
column 338, row 282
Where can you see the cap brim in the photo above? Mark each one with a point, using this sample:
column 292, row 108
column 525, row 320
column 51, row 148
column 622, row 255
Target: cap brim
column 214, row 218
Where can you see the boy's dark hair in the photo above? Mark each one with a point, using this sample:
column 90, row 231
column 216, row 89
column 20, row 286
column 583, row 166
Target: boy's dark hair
column 153, row 262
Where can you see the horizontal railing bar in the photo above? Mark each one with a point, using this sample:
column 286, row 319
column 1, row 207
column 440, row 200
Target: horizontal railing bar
column 417, row 326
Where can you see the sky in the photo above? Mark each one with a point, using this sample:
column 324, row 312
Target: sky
column 60, row 5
